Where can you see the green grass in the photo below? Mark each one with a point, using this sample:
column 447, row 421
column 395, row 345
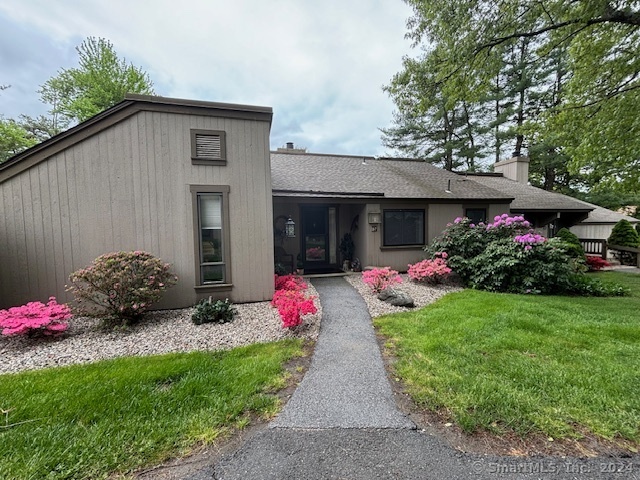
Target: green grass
column 561, row 366
column 88, row 421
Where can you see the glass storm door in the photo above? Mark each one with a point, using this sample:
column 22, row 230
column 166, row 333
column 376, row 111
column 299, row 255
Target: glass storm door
column 319, row 236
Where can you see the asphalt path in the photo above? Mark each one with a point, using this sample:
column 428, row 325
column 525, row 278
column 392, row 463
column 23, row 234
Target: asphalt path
column 342, row 422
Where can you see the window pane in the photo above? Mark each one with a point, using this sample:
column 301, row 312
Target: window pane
column 413, row 228
column 403, row 227
column 316, row 248
column 476, row 215
column 393, row 227
column 211, row 211
column 211, row 245
column 212, row 273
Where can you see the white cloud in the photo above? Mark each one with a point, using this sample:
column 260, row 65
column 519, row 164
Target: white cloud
column 320, row 65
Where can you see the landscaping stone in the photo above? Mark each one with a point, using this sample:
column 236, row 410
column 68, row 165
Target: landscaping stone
column 396, row 297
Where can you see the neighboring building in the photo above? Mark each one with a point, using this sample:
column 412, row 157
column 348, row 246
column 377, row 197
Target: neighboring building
column 544, row 209
column 186, row 181
column 599, row 224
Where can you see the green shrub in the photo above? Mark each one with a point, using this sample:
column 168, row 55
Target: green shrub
column 465, row 241
column 591, row 287
column 509, row 256
column 638, row 228
column 572, row 244
column 624, row 235
column 121, row 285
column 507, row 266
column 208, row 311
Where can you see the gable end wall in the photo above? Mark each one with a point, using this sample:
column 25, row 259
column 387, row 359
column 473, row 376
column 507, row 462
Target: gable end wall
column 128, row 188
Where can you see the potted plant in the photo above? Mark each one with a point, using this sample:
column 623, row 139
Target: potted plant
column 347, row 249
column 299, row 265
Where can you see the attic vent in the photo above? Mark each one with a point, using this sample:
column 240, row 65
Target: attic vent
column 208, row 147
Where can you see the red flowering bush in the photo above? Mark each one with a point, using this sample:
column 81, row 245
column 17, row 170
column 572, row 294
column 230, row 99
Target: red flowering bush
column 290, row 300
column 596, row 263
column 430, row 271
column 289, row 282
column 35, row 318
column 380, row 278
column 122, row 285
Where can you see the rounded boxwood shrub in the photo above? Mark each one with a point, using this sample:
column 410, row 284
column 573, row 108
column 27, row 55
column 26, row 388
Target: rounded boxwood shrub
column 121, row 285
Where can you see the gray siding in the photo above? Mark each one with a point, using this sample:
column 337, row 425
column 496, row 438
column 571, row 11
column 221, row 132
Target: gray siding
column 127, row 188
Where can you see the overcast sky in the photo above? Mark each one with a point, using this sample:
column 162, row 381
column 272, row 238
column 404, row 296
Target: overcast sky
column 319, row 64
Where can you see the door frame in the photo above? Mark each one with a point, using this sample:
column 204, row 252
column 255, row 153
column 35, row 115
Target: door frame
column 304, row 209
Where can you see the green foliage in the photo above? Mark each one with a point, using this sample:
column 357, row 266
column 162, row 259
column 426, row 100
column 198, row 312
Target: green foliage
column 564, row 367
column 505, row 266
column 638, row 228
column 558, row 78
column 109, row 418
column 208, row 311
column 122, row 285
column 347, row 247
column 508, row 256
column 572, row 245
column 100, row 81
column 14, row 138
column 623, row 234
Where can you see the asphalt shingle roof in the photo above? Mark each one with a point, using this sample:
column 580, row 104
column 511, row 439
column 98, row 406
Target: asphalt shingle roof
column 528, row 198
column 303, row 174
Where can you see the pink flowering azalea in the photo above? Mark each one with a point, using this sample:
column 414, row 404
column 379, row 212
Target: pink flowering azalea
column 380, row 278
column 429, row 271
column 35, row 317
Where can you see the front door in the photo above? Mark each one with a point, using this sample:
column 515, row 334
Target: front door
column 319, row 238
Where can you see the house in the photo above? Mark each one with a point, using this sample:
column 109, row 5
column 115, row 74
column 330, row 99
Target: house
column 186, row 181
column 391, row 207
column 195, row 184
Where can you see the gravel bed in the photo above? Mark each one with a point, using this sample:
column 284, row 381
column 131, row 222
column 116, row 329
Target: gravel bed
column 421, row 294
column 160, row 332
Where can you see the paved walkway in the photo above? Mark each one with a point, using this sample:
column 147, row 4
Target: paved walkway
column 342, row 423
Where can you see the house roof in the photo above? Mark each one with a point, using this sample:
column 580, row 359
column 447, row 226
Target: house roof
column 531, row 199
column 346, row 176
column 131, row 105
column 604, row 216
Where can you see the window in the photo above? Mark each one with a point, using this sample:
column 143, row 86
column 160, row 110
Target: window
column 208, row 147
column 476, row 215
column 403, row 227
column 211, row 223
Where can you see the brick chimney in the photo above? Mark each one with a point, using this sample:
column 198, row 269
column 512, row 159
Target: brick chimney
column 516, row 168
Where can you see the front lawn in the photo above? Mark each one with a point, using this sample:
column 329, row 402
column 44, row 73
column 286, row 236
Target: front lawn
column 87, row 421
column 561, row 366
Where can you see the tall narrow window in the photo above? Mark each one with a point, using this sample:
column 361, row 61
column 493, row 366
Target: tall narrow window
column 211, row 221
column 211, row 243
